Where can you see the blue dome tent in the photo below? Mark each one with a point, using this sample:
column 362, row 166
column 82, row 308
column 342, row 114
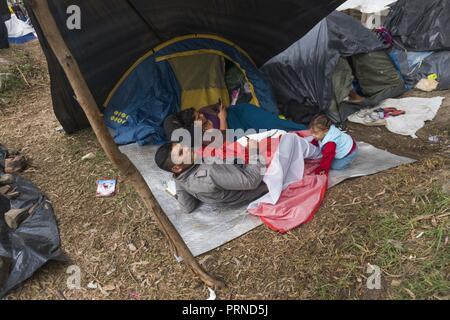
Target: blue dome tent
column 155, row 85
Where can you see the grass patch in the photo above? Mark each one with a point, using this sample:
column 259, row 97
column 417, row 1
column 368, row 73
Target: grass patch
column 18, row 75
column 409, row 245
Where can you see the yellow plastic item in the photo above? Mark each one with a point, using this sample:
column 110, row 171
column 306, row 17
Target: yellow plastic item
column 432, row 76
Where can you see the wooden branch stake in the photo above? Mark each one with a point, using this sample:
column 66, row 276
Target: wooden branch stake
column 126, row 167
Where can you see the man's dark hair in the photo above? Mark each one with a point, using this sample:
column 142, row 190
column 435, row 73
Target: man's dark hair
column 163, row 157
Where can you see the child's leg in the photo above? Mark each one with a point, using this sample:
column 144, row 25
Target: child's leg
column 339, row 164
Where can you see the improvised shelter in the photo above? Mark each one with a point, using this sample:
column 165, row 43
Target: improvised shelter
column 313, row 73
column 88, row 62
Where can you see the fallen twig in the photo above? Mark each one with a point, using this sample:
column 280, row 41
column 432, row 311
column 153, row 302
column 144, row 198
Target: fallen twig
column 23, row 76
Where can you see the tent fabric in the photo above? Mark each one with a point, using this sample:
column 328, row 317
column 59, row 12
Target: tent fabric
column 138, row 108
column 202, row 80
column 156, row 84
column 303, row 73
column 416, row 65
column 421, row 25
column 5, row 15
column 115, row 33
column 246, row 116
column 422, row 47
column 198, row 43
column 23, row 39
column 377, row 77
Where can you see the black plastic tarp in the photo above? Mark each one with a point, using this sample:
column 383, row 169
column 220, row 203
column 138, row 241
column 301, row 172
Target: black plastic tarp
column 422, row 33
column 417, row 65
column 36, row 240
column 421, row 25
column 303, row 73
column 115, row 33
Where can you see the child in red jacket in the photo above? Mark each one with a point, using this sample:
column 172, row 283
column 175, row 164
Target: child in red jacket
column 338, row 148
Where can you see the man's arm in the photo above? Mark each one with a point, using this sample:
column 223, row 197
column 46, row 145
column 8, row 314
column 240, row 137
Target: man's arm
column 187, row 201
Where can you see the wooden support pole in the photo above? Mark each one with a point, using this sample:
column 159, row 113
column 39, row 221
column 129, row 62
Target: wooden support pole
column 126, row 167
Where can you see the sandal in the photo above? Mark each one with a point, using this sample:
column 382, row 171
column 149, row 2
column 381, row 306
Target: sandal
column 393, row 112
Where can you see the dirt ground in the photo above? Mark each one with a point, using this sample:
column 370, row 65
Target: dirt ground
column 397, row 220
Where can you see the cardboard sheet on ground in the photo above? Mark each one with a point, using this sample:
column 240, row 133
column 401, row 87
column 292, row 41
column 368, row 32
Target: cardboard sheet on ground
column 211, row 226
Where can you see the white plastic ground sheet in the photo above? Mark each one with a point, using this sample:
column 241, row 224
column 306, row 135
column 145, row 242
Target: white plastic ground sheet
column 417, row 111
column 211, row 226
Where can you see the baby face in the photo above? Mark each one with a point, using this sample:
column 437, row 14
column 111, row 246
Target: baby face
column 318, row 134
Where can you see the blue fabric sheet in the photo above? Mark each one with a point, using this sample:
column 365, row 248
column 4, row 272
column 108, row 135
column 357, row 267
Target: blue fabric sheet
column 247, row 116
column 137, row 111
column 23, row 39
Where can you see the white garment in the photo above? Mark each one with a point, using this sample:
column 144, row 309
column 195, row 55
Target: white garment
column 274, row 133
column 417, row 111
column 287, row 166
column 366, row 6
column 17, row 28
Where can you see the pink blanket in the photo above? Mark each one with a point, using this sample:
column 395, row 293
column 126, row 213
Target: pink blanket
column 297, row 204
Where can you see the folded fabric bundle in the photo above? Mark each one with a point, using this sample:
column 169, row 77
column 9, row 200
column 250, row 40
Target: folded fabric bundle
column 416, row 112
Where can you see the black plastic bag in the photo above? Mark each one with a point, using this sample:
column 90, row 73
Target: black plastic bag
column 421, row 25
column 34, row 242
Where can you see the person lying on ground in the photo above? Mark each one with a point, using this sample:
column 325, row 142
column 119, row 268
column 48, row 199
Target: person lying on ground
column 230, row 184
column 338, row 148
column 241, row 116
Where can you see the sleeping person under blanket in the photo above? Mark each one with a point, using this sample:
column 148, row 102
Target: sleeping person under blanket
column 241, row 116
